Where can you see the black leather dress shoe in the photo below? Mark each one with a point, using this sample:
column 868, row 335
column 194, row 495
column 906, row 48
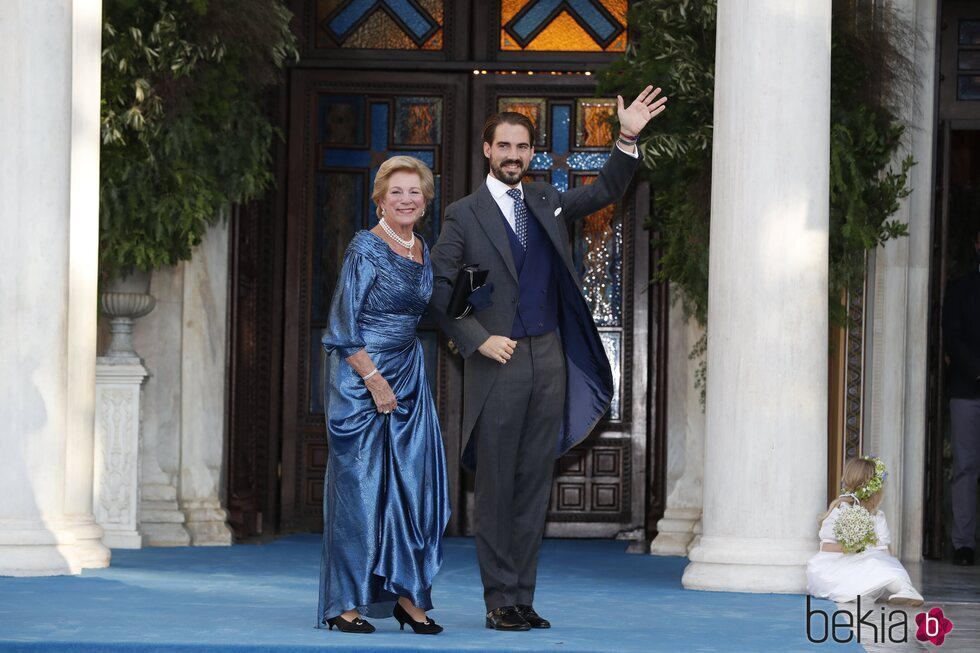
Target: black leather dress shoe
column 506, row 618
column 963, row 556
column 533, row 619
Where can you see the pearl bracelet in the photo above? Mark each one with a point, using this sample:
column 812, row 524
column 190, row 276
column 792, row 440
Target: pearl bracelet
column 369, row 374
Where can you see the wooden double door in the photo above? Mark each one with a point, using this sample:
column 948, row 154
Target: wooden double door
column 341, row 126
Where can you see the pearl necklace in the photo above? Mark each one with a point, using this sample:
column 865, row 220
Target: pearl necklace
column 407, row 244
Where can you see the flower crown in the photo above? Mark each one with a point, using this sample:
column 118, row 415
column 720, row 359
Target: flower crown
column 874, row 484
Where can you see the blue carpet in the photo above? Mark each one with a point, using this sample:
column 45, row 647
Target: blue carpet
column 263, row 597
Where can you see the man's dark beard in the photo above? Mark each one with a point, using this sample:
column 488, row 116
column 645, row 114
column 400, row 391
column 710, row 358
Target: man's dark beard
column 507, row 177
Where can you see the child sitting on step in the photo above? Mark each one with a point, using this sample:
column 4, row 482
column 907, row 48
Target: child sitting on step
column 854, row 559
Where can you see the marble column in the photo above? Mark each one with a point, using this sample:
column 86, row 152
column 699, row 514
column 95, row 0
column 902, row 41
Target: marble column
column 766, row 417
column 83, row 282
column 48, row 250
column 681, row 522
column 202, row 395
column 895, row 424
column 157, row 338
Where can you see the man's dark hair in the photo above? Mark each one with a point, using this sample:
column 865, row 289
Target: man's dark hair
column 509, row 117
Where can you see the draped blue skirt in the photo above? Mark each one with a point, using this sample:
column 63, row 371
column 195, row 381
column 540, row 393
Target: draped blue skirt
column 385, row 498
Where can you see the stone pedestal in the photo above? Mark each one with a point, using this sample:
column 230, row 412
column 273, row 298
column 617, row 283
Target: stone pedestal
column 685, row 441
column 49, row 166
column 766, row 419
column 117, row 426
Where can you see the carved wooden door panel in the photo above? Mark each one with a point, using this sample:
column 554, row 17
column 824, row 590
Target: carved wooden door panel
column 342, row 125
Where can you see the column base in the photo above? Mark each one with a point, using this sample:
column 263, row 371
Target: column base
column 89, row 551
column 161, row 521
column 757, row 565
column 123, row 539
column 676, row 531
column 207, row 523
column 164, row 534
column 37, row 549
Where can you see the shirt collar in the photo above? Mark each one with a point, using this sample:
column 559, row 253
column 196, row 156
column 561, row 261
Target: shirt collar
column 498, row 188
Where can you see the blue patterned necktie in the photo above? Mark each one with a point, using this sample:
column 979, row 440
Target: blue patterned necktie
column 520, row 216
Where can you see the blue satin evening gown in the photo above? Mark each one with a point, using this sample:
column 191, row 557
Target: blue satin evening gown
column 385, row 498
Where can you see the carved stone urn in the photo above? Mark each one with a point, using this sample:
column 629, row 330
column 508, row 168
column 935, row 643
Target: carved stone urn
column 123, row 301
column 119, row 376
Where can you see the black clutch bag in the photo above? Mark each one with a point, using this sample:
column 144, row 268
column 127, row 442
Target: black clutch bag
column 468, row 279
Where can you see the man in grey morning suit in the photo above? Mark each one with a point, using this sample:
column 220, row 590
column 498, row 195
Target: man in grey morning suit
column 541, row 381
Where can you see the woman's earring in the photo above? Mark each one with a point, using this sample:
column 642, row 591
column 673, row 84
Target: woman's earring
column 422, row 214
column 382, row 211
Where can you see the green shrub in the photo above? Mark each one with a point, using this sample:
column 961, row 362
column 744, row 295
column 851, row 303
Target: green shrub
column 184, row 126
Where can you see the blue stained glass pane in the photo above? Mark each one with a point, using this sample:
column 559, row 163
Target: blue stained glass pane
column 420, row 24
column 338, row 158
column 428, row 157
column 587, row 160
column 559, row 179
column 535, row 17
column 587, row 11
column 541, row 161
column 616, row 274
column 561, row 119
column 372, row 216
column 338, row 214
column 969, row 32
column 968, row 87
column 379, row 126
column 350, row 15
column 428, row 227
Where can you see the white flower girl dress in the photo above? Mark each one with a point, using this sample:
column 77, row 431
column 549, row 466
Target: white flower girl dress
column 842, row 577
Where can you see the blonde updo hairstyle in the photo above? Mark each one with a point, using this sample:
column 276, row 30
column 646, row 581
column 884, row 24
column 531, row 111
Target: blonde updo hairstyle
column 857, row 472
column 402, row 163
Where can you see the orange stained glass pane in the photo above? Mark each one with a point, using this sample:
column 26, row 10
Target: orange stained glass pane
column 533, row 109
column 592, row 126
column 597, row 226
column 563, row 34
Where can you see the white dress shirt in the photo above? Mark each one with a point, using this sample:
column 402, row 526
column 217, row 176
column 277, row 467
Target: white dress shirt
column 498, row 190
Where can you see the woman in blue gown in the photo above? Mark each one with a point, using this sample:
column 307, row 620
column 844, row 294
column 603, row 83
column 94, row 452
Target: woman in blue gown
column 386, row 499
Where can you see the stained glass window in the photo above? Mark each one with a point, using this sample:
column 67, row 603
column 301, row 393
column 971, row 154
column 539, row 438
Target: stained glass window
column 574, row 141
column 380, row 24
column 563, row 25
column 355, row 134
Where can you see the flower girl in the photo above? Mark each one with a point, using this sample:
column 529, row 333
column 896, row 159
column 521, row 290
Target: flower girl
column 854, row 559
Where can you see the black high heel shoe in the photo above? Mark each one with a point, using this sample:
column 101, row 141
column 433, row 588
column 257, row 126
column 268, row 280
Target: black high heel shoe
column 356, row 626
column 427, row 627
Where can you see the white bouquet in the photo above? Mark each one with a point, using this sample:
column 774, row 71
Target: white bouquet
column 855, row 529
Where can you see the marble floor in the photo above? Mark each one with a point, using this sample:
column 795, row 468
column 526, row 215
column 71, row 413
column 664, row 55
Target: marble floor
column 954, row 589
